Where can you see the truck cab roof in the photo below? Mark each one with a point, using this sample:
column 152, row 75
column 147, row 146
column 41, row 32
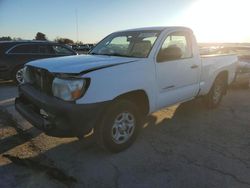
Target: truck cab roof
column 159, row 28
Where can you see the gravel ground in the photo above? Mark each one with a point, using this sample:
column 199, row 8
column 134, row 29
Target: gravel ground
column 182, row 146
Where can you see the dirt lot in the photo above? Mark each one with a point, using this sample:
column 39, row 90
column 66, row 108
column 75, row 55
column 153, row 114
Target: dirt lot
column 182, row 146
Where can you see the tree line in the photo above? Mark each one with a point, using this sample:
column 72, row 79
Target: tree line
column 42, row 36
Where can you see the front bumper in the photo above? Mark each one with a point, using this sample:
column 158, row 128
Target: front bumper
column 62, row 119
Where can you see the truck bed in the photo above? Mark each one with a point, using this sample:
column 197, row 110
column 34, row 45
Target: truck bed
column 212, row 65
column 216, row 55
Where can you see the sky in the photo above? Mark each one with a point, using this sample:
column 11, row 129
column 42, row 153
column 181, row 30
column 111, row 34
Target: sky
column 211, row 20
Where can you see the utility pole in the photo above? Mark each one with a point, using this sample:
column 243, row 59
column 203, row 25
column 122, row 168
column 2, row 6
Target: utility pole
column 77, row 34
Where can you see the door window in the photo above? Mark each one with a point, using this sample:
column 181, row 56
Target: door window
column 43, row 49
column 25, row 49
column 176, row 46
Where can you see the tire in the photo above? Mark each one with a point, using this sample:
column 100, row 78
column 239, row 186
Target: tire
column 119, row 127
column 215, row 95
column 246, row 85
column 17, row 76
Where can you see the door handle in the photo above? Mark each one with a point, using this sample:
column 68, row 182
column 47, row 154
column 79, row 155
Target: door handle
column 168, row 87
column 194, row 66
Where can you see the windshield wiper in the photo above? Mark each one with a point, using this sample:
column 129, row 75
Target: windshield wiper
column 94, row 53
column 111, row 54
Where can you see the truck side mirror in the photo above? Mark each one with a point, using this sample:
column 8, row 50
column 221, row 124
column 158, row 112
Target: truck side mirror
column 169, row 53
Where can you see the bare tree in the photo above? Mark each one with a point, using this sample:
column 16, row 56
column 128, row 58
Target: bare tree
column 40, row 36
column 5, row 38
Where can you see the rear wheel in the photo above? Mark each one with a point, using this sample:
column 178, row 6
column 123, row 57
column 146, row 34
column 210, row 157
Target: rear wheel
column 119, row 127
column 215, row 95
column 246, row 85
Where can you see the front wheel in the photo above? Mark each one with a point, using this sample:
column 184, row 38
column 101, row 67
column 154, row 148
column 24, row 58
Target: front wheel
column 246, row 85
column 18, row 75
column 119, row 127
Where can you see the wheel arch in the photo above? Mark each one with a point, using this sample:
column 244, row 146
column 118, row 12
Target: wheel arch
column 223, row 75
column 139, row 97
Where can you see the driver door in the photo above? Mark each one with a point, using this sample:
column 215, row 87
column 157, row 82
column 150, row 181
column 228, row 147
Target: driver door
column 177, row 76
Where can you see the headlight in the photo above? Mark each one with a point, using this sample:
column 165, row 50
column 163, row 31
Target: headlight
column 68, row 89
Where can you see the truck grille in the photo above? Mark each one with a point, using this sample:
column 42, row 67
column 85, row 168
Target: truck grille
column 41, row 79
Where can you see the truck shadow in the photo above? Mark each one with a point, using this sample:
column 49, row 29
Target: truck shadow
column 79, row 155
column 12, row 132
column 20, row 138
column 184, row 112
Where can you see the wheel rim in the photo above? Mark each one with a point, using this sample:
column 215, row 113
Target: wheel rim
column 123, row 127
column 217, row 93
column 19, row 76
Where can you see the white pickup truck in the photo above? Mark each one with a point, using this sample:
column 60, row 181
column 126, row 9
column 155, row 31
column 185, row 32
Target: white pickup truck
column 128, row 75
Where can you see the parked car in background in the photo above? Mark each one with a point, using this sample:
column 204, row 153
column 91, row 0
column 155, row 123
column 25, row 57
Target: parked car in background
column 14, row 54
column 74, row 47
column 83, row 48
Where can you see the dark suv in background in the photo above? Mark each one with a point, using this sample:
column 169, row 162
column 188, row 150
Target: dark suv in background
column 14, row 54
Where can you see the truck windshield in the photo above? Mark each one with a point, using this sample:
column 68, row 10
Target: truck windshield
column 127, row 44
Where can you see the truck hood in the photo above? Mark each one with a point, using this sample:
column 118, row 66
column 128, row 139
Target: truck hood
column 79, row 63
